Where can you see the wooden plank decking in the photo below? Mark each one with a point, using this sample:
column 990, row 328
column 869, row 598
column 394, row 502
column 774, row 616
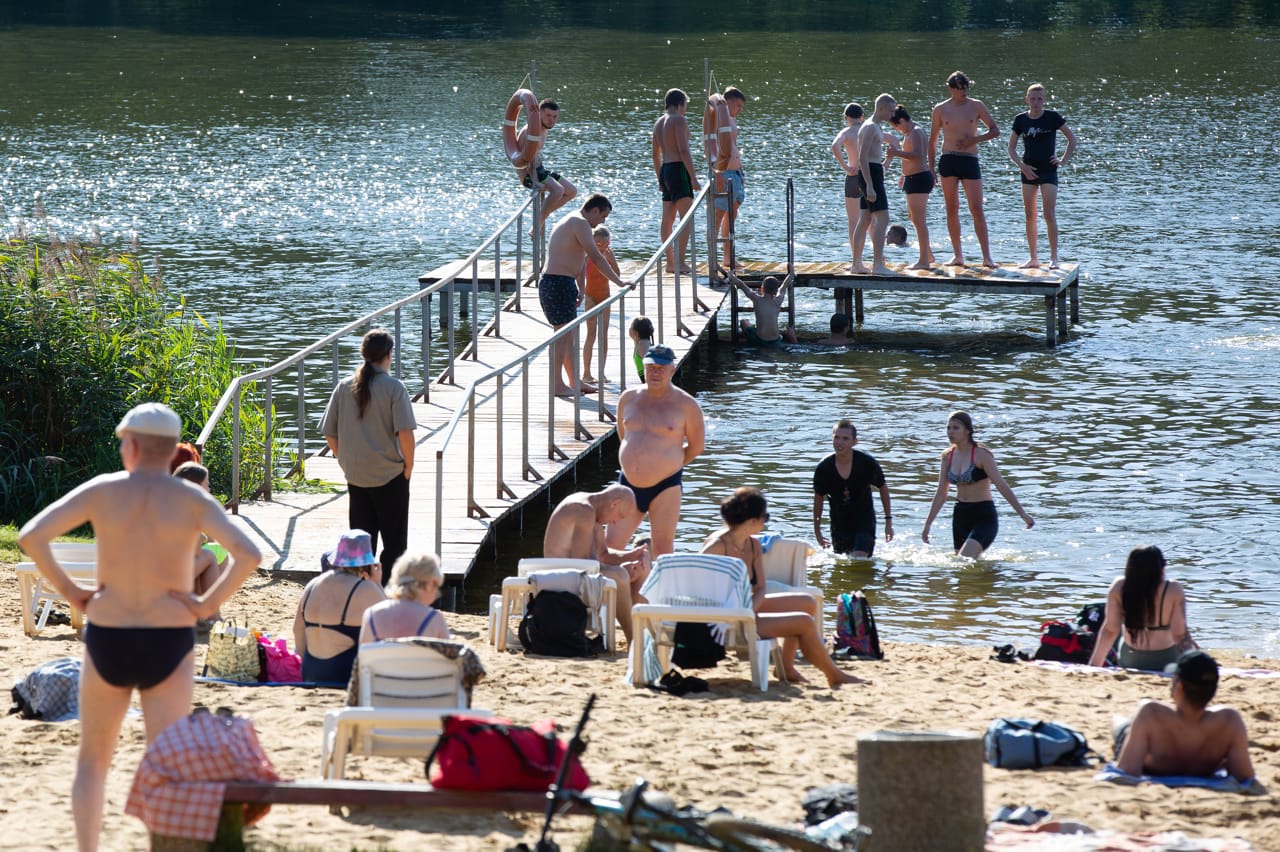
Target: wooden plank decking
column 294, row 529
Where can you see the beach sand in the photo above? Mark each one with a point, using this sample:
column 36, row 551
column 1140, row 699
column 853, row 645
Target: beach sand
column 751, row 752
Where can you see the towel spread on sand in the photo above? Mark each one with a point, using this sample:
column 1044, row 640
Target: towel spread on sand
column 1220, row 780
column 1046, row 837
column 1081, row 668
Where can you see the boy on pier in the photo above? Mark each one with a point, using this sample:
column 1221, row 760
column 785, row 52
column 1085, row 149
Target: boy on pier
column 1039, row 163
column 767, row 305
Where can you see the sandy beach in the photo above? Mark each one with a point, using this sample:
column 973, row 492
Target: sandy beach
column 754, row 753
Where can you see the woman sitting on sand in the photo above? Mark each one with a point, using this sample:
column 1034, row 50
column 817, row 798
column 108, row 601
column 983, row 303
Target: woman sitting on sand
column 788, row 616
column 971, row 467
column 326, row 629
column 414, row 587
column 1152, row 611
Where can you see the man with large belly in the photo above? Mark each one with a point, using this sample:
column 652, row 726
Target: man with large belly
column 660, row 428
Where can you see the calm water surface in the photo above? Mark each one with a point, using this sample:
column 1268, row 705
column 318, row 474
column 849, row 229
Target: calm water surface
column 285, row 185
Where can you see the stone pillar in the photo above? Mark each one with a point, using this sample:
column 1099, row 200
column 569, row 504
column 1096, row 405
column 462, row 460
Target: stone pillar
column 921, row 791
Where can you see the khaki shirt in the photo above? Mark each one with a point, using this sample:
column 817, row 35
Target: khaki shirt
column 368, row 450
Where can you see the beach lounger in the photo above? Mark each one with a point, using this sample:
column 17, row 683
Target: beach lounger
column 786, row 569
column 405, row 690
column 517, row 590
column 79, row 560
column 695, row 587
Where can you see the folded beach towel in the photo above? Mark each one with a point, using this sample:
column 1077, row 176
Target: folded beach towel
column 1218, row 781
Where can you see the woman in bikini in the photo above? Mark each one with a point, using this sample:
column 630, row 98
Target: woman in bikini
column 326, row 629
column 786, row 616
column 971, row 468
column 1152, row 611
column 414, row 587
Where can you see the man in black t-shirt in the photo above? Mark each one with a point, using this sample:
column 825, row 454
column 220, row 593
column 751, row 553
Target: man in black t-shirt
column 845, row 479
column 1039, row 128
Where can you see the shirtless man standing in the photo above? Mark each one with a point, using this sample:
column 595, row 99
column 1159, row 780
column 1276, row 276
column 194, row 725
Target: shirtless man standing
column 1189, row 738
column 141, row 617
column 957, row 119
column 660, row 429
column 558, row 189
column 875, row 201
column 673, row 163
column 575, row 530
column 730, row 179
column 917, row 182
column 845, row 149
column 559, row 291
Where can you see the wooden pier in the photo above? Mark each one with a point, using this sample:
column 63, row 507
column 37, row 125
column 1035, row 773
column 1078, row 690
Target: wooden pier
column 1059, row 288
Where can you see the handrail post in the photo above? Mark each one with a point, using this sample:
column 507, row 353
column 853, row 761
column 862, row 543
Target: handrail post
column 497, row 288
column 398, row 348
column 302, row 413
column 662, row 311
column 519, row 257
column 527, row 471
column 268, row 444
column 447, row 316
column 424, row 346
column 791, row 250
column 235, row 452
column 475, row 307
column 440, row 503
column 502, row 488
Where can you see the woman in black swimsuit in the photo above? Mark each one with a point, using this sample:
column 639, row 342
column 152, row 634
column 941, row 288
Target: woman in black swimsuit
column 1152, row 611
column 971, row 467
column 326, row 629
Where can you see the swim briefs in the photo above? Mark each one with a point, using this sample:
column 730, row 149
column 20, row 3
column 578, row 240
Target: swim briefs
column 558, row 295
column 543, row 174
column 918, row 183
column 140, row 657
column 852, row 186
column 644, row 496
column 1046, row 173
column 736, row 186
column 963, row 166
column 753, row 336
column 877, row 183
column 977, row 521
column 674, row 180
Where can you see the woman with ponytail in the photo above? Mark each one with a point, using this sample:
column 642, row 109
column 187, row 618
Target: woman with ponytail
column 368, row 425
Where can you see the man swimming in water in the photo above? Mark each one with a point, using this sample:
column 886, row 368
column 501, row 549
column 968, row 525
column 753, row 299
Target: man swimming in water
column 957, row 120
column 660, row 430
column 673, row 163
column 141, row 616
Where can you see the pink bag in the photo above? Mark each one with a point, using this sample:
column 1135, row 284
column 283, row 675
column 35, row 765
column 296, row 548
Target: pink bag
column 283, row 666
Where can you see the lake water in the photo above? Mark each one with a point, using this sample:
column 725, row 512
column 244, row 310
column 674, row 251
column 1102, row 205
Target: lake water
column 285, row 184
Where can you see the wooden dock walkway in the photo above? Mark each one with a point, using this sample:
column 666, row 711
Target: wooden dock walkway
column 295, row 528
column 1059, row 288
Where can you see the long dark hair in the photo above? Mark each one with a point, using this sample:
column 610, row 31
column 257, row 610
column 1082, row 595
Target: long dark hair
column 376, row 345
column 1143, row 574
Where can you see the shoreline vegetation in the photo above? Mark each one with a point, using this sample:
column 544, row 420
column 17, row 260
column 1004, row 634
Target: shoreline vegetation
column 87, row 335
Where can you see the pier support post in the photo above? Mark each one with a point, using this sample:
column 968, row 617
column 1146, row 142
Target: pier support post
column 857, row 309
column 922, row 791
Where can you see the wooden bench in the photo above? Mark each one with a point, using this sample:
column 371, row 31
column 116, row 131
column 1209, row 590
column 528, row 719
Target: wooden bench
column 337, row 794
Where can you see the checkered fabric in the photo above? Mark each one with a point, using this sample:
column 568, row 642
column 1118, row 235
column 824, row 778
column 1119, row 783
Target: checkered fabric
column 176, row 790
column 51, row 692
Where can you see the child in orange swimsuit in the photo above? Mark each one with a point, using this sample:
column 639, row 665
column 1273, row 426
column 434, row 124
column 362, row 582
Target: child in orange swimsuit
column 597, row 291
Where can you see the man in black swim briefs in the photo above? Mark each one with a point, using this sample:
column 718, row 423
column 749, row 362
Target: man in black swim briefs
column 673, row 163
column 845, row 149
column 660, row 430
column 875, row 201
column 141, row 616
column 957, row 119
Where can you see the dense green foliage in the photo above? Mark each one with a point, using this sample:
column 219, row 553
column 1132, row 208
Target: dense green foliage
column 84, row 336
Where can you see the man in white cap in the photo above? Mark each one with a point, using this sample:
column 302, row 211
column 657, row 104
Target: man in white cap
column 660, row 430
column 141, row 616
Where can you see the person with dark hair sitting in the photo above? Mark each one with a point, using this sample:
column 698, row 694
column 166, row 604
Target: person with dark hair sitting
column 1152, row 612
column 1189, row 738
column 326, row 628
column 839, row 331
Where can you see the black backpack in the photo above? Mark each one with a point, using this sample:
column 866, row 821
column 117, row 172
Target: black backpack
column 555, row 625
column 695, row 647
column 1064, row 643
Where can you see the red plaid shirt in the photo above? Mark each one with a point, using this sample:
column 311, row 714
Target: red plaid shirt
column 176, row 790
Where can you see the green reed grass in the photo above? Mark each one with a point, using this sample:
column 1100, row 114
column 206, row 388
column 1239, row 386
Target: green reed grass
column 85, row 334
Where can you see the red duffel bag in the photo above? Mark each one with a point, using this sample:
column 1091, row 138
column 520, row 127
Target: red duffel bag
column 491, row 753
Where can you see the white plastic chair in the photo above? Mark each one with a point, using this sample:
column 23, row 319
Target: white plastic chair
column 694, row 587
column 405, row 691
column 786, row 568
column 79, row 560
column 517, row 590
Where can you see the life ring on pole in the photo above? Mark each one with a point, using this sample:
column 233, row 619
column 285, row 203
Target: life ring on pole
column 716, row 121
column 522, row 156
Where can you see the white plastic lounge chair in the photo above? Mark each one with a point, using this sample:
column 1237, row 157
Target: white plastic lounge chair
column 695, row 587
column 405, row 691
column 517, row 590
column 786, row 569
column 79, row 560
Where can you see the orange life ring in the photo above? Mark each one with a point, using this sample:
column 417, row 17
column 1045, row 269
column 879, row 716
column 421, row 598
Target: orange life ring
column 522, row 156
column 715, row 121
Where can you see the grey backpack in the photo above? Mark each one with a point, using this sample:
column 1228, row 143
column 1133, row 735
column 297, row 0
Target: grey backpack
column 1031, row 744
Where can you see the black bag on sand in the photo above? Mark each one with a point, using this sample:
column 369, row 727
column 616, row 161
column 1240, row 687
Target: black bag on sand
column 1064, row 643
column 555, row 625
column 695, row 647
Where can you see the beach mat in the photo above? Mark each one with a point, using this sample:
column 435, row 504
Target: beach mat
column 1046, row 837
column 1220, row 780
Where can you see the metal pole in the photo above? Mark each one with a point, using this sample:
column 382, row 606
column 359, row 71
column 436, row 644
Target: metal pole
column 266, row 450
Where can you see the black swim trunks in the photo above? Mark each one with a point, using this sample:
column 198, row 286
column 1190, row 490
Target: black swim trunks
column 644, row 496
column 977, row 521
column 674, row 180
column 1046, row 173
column 918, row 183
column 963, row 166
column 140, row 657
column 558, row 295
column 877, row 183
column 853, row 186
column 543, row 174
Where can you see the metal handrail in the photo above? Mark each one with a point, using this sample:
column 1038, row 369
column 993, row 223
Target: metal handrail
column 231, row 396
column 467, row 405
